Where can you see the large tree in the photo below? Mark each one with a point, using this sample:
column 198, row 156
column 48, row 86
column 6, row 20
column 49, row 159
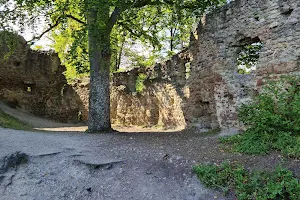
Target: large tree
column 97, row 19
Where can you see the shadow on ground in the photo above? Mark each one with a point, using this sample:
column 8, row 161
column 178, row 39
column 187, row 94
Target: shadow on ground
column 43, row 124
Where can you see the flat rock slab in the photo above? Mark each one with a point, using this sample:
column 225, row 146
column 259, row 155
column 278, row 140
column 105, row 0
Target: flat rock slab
column 97, row 162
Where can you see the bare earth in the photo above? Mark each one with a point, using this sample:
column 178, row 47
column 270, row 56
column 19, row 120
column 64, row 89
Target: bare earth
column 120, row 165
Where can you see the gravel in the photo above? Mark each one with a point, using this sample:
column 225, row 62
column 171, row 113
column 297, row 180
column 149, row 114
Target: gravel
column 96, row 166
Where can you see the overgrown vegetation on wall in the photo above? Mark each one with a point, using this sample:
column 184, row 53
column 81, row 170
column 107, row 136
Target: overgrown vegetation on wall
column 278, row 184
column 272, row 120
column 8, row 44
column 140, row 86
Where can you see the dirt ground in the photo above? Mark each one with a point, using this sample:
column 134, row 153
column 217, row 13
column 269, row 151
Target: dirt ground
column 150, row 163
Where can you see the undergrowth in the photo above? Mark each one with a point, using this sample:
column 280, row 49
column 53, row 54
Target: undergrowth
column 7, row 121
column 272, row 120
column 258, row 185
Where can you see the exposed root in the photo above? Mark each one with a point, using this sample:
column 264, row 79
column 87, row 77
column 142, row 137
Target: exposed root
column 105, row 164
column 12, row 161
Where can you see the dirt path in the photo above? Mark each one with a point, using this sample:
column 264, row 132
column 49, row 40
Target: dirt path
column 103, row 166
column 49, row 125
column 141, row 166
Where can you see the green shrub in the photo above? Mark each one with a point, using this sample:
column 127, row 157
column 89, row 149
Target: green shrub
column 139, row 85
column 272, row 120
column 278, row 184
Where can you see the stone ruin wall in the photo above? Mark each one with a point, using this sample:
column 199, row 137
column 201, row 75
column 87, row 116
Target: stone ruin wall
column 214, row 79
column 34, row 81
column 159, row 104
column 209, row 98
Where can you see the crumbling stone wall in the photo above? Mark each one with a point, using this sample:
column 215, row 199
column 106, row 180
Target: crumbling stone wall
column 159, row 104
column 221, row 35
column 34, row 81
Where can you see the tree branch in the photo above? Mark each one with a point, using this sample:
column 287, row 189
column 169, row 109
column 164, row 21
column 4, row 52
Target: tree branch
column 46, row 31
column 113, row 19
column 76, row 19
column 117, row 12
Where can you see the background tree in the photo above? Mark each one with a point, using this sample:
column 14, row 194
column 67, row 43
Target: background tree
column 163, row 36
column 97, row 18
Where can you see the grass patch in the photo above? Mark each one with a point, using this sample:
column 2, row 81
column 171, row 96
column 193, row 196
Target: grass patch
column 262, row 143
column 7, row 121
column 277, row 184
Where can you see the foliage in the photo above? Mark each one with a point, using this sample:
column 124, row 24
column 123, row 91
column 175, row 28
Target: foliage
column 168, row 26
column 139, row 85
column 260, row 185
column 272, row 120
column 165, row 24
column 72, row 48
column 8, row 44
column 140, row 60
column 176, row 28
column 7, row 121
column 71, row 74
column 248, row 57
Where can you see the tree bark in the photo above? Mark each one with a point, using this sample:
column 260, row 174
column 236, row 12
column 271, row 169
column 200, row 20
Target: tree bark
column 171, row 41
column 99, row 55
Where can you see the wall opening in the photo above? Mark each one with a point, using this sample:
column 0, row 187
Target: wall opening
column 29, row 88
column 248, row 55
column 17, row 63
column 187, row 70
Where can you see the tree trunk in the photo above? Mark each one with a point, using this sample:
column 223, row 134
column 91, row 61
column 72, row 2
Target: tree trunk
column 171, row 41
column 99, row 55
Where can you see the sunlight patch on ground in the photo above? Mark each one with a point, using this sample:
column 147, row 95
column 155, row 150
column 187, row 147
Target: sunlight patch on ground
column 126, row 129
